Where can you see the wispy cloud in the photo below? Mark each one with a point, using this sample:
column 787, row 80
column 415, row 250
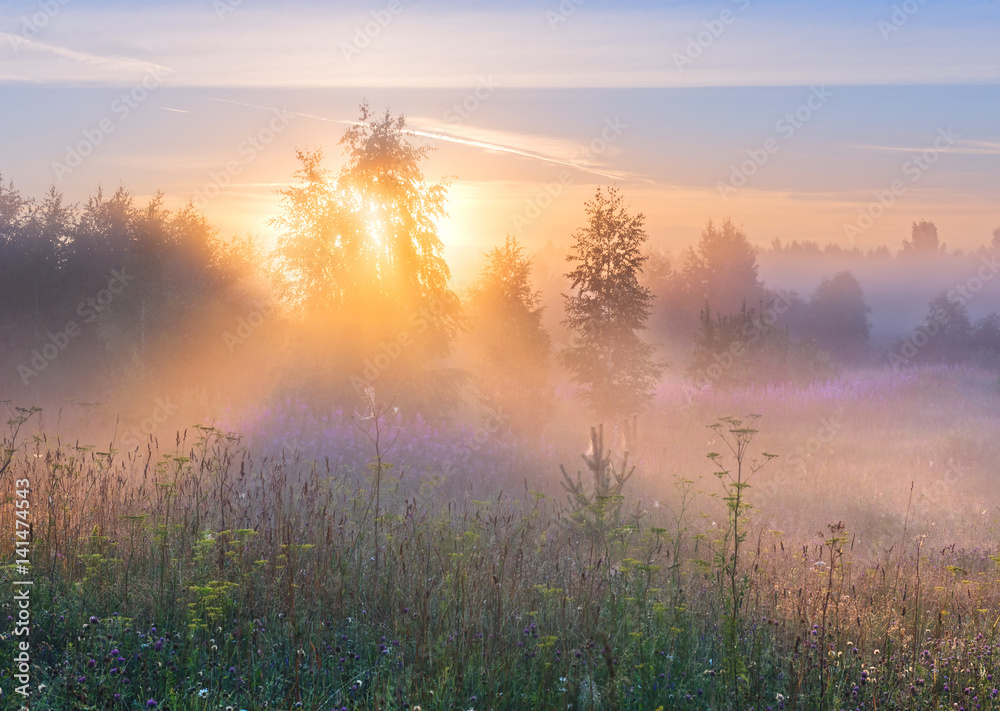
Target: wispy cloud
column 556, row 151
column 768, row 44
column 964, row 146
column 113, row 61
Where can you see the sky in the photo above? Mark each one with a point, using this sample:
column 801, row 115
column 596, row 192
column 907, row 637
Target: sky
column 832, row 121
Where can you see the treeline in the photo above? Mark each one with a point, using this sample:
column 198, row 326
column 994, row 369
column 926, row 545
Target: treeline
column 354, row 305
column 730, row 329
column 924, row 242
column 96, row 292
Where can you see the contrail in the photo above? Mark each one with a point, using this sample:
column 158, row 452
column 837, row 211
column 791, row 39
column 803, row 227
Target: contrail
column 85, row 57
column 614, row 175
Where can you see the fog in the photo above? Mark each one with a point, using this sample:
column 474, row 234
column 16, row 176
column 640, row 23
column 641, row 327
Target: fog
column 300, row 444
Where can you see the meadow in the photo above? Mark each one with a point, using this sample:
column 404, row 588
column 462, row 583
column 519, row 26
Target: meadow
column 284, row 558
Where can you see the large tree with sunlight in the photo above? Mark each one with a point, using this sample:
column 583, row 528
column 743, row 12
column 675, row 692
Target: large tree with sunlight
column 608, row 309
column 359, row 254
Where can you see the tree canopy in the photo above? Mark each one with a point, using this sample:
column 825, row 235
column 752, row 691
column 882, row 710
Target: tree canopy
column 608, row 309
column 510, row 348
column 362, row 261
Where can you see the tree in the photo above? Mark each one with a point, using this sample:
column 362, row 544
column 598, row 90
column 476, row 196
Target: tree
column 996, row 240
column 720, row 270
column 986, row 334
column 838, row 315
column 33, row 236
column 946, row 333
column 923, row 239
column 608, row 309
column 106, row 284
column 751, row 347
column 510, row 347
column 171, row 273
column 364, row 261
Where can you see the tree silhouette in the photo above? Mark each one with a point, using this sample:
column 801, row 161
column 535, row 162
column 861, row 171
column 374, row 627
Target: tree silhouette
column 86, row 292
column 370, row 233
column 949, row 331
column 720, row 270
column 32, row 244
column 986, row 334
column 838, row 316
column 510, row 347
column 923, row 239
column 608, row 310
column 363, row 260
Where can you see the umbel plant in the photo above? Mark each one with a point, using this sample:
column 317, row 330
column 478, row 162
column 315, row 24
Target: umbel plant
column 734, row 471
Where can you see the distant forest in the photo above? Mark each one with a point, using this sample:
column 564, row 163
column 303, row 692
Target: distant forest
column 127, row 296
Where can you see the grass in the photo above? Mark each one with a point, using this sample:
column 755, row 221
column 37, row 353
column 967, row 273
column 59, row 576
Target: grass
column 204, row 575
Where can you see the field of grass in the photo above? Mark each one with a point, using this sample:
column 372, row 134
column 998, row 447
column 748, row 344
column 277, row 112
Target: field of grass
column 321, row 563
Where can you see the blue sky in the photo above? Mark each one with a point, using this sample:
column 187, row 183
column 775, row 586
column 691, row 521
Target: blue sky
column 699, row 87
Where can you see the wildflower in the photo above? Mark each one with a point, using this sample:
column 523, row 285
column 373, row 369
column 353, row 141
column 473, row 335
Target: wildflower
column 151, row 704
column 202, row 693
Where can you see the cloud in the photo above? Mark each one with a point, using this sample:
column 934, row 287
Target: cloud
column 964, row 146
column 542, row 148
column 19, row 43
column 430, row 45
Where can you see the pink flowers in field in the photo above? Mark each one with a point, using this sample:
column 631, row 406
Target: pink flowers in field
column 420, row 448
column 854, row 386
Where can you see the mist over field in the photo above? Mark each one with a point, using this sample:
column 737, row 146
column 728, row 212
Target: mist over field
column 499, row 356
